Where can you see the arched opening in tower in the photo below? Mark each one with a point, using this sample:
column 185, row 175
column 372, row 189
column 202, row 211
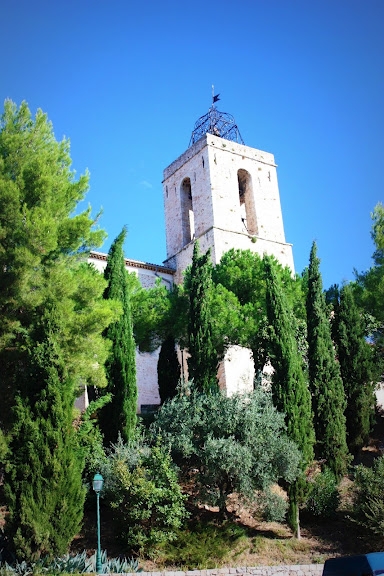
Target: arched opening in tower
column 187, row 216
column 247, row 202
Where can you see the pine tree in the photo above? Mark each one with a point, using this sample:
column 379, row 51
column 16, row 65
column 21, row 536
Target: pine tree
column 242, row 273
column 38, row 195
column 289, row 386
column 328, row 398
column 202, row 364
column 119, row 416
column 355, row 359
column 168, row 369
column 43, row 485
column 369, row 290
column 51, row 343
column 40, row 243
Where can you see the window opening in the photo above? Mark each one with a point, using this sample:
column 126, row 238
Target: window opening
column 247, row 202
column 187, row 215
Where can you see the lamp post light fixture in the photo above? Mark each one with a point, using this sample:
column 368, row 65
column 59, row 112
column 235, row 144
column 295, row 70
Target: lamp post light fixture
column 97, row 484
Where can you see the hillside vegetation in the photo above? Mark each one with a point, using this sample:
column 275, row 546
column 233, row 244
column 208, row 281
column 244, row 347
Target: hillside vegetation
column 261, row 476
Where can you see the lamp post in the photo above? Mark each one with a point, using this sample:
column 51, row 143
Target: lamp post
column 97, row 484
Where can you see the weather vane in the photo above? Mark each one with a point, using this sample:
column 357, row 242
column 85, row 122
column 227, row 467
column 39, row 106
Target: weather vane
column 214, row 98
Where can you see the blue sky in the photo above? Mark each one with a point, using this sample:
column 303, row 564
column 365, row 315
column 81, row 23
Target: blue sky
column 126, row 81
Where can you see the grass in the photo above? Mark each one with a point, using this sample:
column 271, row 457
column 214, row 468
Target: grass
column 231, row 545
column 202, row 546
column 241, row 541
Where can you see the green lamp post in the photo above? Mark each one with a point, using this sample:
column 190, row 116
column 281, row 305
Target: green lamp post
column 97, row 484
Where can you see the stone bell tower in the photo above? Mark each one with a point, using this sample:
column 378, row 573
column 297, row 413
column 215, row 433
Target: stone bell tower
column 224, row 194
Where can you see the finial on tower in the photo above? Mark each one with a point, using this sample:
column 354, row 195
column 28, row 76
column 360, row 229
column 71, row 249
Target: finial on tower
column 217, row 123
column 214, row 98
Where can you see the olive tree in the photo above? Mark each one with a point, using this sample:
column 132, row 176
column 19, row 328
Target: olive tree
column 236, row 444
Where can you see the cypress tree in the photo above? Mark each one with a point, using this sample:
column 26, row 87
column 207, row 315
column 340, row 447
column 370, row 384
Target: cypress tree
column 328, row 398
column 289, row 385
column 355, row 359
column 119, row 416
column 202, row 364
column 43, row 484
column 168, row 369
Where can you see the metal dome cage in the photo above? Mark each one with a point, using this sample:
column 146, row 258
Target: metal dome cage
column 218, row 124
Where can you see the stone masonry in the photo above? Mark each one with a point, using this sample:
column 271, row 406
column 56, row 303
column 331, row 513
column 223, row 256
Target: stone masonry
column 225, row 195
column 280, row 570
column 211, row 167
column 146, row 363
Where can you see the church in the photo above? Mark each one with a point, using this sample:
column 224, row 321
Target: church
column 224, row 194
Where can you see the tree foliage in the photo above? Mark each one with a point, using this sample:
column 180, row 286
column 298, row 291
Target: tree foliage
column 289, row 384
column 328, row 397
column 156, row 313
column 369, row 286
column 356, row 366
column 202, row 364
column 119, row 416
column 51, row 343
column 141, row 488
column 42, row 248
column 168, row 369
column 43, row 482
column 241, row 274
column 38, row 195
column 237, row 444
column 368, row 498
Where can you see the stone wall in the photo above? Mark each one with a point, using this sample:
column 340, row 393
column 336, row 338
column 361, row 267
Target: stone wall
column 226, row 195
column 237, row 373
column 146, row 363
column 280, row 570
column 233, row 192
column 212, row 166
column 147, row 273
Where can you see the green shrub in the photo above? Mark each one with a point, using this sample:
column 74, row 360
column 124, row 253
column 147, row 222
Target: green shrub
column 3, row 447
column 273, row 507
column 202, row 546
column 142, row 489
column 368, row 501
column 113, row 565
column 323, row 498
column 91, row 438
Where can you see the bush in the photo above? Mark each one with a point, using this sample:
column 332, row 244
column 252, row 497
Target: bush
column 3, row 447
column 369, row 504
column 323, row 498
column 202, row 546
column 273, row 507
column 142, row 489
column 91, row 442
